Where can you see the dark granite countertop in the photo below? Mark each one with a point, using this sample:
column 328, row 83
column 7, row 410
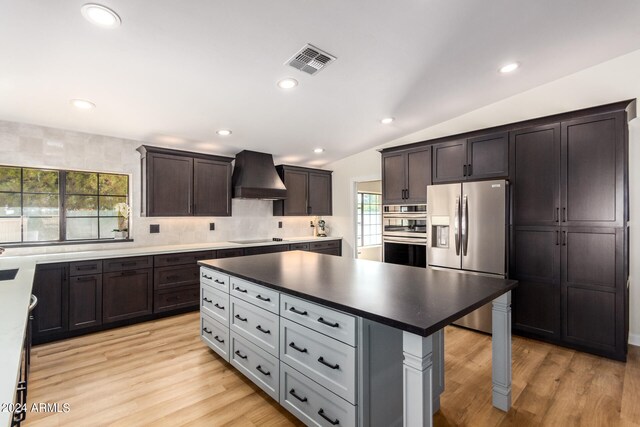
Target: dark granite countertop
column 413, row 299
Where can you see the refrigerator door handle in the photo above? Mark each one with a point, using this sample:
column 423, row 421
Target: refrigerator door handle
column 456, row 225
column 465, row 225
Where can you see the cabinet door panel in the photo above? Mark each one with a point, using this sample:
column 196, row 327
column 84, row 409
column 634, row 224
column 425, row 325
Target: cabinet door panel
column 211, row 188
column 393, row 178
column 51, row 287
column 320, row 193
column 418, row 174
column 535, row 175
column 127, row 294
column 593, row 171
column 590, row 317
column 85, row 301
column 297, row 184
column 449, row 159
column 170, row 185
column 488, row 156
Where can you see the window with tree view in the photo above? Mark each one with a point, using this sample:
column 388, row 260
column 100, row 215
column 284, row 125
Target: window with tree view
column 369, row 219
column 41, row 205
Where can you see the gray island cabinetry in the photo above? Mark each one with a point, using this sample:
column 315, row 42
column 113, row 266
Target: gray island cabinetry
column 346, row 342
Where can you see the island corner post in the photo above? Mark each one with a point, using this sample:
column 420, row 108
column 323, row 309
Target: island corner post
column 423, row 367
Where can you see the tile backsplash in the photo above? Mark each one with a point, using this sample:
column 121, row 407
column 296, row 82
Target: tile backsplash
column 39, row 146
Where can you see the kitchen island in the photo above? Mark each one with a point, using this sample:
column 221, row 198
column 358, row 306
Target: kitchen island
column 344, row 341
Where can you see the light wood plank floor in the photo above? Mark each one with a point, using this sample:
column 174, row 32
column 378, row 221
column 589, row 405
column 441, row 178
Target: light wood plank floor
column 160, row 373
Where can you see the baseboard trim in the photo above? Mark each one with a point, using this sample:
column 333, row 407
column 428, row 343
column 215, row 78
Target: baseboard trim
column 634, row 339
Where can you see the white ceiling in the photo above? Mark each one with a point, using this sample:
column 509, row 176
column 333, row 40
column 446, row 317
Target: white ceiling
column 176, row 71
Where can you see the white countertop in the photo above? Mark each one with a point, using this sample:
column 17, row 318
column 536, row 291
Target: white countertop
column 15, row 296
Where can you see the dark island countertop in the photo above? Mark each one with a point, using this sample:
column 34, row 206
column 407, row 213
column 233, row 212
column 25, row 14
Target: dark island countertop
column 416, row 300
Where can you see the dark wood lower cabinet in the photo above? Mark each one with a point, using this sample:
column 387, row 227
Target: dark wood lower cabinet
column 173, row 299
column 85, row 301
column 266, row 249
column 51, row 287
column 127, row 294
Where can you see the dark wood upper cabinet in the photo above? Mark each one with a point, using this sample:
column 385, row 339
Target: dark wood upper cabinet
column 480, row 157
column 593, row 171
column 535, row 175
column 51, row 287
column 309, row 192
column 405, row 175
column 181, row 183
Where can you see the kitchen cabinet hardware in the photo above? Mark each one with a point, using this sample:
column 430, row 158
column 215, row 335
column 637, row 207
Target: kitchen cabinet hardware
column 240, row 355
column 557, row 238
column 323, row 415
column 221, row 307
column 262, row 371
column 264, row 331
column 327, row 364
column 85, row 279
column 220, row 340
column 301, row 313
column 128, row 263
column 464, row 170
column 564, row 238
column 557, row 217
column 242, row 319
column 206, row 331
column 172, row 277
column 260, row 297
column 129, row 273
column 205, row 299
column 324, row 322
column 293, row 393
column 244, row 291
column 564, row 214
column 295, row 347
column 219, row 282
column 207, row 277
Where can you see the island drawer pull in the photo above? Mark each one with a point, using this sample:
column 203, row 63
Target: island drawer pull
column 205, row 299
column 207, row 277
column 263, row 372
column 333, row 325
column 219, row 282
column 261, row 298
column 295, row 347
column 242, row 356
column 207, row 331
column 237, row 316
column 293, row 393
column 264, row 331
column 239, row 289
column 325, row 363
column 216, row 305
column 333, row 422
column 301, row 313
column 220, row 340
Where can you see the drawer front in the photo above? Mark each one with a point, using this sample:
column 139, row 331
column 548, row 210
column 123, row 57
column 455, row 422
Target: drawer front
column 215, row 279
column 229, row 253
column 311, row 403
column 173, row 299
column 85, row 267
column 324, row 245
column 266, row 249
column 259, row 326
column 215, row 336
column 325, row 320
column 132, row 263
column 215, row 304
column 255, row 294
column 325, row 360
column 182, row 258
column 299, row 246
column 260, row 367
column 170, row 277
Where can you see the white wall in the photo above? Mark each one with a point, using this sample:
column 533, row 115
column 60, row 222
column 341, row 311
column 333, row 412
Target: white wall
column 37, row 146
column 611, row 81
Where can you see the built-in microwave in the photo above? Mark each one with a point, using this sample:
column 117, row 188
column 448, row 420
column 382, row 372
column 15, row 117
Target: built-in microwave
column 402, row 222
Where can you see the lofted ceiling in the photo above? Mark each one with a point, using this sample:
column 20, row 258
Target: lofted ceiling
column 175, row 72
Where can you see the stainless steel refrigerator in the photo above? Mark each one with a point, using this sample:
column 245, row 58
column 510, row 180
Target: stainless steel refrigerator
column 467, row 232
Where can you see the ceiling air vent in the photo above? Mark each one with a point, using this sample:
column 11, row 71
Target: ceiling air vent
column 310, row 59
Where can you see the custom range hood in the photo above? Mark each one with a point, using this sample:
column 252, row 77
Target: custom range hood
column 255, row 177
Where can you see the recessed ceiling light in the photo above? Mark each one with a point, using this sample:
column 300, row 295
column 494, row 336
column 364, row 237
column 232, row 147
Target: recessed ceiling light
column 100, row 15
column 83, row 104
column 287, row 83
column 509, row 68
column 387, row 120
column 318, row 150
column 224, row 132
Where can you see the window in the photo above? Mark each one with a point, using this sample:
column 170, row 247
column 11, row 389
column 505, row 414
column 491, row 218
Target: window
column 369, row 219
column 44, row 205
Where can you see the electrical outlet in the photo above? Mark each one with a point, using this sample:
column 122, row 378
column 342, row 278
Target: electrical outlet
column 154, row 228
column 279, row 224
column 212, row 226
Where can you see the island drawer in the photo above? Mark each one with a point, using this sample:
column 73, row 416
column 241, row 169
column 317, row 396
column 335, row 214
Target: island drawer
column 324, row 245
column 182, row 258
column 256, row 294
column 329, row 362
column 215, row 304
column 85, row 267
column 325, row 320
column 214, row 279
column 299, row 246
column 311, row 403
column 259, row 326
column 173, row 276
column 260, row 367
column 172, row 299
column 215, row 335
column 132, row 263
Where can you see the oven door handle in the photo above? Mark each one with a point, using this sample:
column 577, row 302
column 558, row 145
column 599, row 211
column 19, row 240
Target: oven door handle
column 456, row 225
